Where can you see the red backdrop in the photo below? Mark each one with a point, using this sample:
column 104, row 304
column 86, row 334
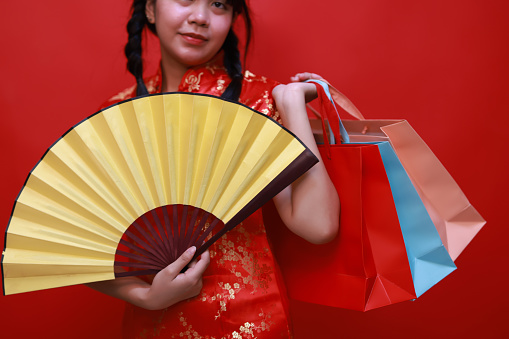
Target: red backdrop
column 441, row 64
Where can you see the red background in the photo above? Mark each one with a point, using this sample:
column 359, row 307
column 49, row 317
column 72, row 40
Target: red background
column 441, row 64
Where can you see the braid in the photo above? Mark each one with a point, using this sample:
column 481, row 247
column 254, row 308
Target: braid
column 133, row 50
column 233, row 67
column 231, row 59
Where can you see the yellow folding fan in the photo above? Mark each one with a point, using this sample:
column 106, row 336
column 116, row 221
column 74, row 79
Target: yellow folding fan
column 144, row 179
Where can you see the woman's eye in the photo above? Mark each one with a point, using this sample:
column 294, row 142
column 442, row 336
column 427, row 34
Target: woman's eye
column 218, row 4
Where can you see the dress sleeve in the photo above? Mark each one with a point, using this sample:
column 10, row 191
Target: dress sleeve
column 153, row 84
column 257, row 94
column 128, row 93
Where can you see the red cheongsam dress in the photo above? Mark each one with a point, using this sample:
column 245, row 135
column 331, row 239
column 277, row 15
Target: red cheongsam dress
column 242, row 295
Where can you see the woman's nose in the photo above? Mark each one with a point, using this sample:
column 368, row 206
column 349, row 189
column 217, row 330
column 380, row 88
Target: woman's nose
column 199, row 14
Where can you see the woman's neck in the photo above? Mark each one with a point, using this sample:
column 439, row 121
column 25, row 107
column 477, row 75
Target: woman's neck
column 172, row 75
column 171, row 79
column 172, row 72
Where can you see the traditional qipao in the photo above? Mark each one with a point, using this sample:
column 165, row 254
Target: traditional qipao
column 243, row 295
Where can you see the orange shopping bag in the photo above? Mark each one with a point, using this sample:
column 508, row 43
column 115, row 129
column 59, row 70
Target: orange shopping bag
column 455, row 219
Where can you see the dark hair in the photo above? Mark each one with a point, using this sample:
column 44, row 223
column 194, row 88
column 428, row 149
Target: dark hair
column 232, row 63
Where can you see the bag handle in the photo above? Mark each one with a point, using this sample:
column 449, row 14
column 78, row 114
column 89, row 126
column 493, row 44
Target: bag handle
column 341, row 100
column 330, row 112
column 345, row 103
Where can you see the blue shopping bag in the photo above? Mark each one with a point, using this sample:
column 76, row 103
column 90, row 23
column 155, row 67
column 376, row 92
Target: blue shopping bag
column 428, row 258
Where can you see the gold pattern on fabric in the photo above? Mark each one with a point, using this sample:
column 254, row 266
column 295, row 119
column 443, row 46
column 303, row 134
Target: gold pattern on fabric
column 243, row 261
column 153, row 85
column 276, row 117
column 220, row 85
column 250, row 77
column 125, row 94
column 233, row 252
column 248, row 330
column 226, row 293
column 264, row 104
column 193, row 82
column 212, row 67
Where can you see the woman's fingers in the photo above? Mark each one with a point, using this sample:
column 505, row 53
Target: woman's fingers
column 197, row 267
column 192, row 278
column 176, row 267
column 282, row 93
column 305, row 76
column 170, row 286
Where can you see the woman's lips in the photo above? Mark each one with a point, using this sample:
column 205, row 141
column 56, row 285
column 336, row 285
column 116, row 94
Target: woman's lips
column 193, row 38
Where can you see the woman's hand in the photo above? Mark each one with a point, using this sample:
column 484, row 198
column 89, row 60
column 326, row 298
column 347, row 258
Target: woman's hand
column 309, row 206
column 299, row 77
column 294, row 91
column 168, row 287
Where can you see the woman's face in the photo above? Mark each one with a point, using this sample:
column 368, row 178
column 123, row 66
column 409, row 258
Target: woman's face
column 191, row 32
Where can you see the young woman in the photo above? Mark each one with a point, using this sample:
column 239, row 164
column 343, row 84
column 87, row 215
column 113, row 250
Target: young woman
column 233, row 290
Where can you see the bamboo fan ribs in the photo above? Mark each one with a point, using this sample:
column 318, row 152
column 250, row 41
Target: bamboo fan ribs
column 144, row 180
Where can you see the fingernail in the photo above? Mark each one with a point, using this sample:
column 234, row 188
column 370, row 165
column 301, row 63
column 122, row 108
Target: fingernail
column 191, row 250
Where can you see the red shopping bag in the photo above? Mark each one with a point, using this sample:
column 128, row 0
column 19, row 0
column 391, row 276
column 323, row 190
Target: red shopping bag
column 366, row 266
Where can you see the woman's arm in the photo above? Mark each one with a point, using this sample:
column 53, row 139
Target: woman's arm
column 310, row 206
column 168, row 287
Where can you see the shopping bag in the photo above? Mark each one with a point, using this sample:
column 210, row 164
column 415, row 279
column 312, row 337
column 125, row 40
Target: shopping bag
column 366, row 266
column 455, row 219
column 428, row 258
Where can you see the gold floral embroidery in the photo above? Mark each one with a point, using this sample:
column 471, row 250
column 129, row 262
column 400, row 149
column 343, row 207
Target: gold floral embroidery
column 248, row 330
column 188, row 329
column 250, row 77
column 277, row 117
column 153, row 84
column 244, row 264
column 125, row 94
column 222, row 298
column 264, row 105
column 220, row 85
column 210, row 68
column 193, row 82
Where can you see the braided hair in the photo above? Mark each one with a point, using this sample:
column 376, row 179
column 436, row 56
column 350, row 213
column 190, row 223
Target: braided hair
column 231, row 61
